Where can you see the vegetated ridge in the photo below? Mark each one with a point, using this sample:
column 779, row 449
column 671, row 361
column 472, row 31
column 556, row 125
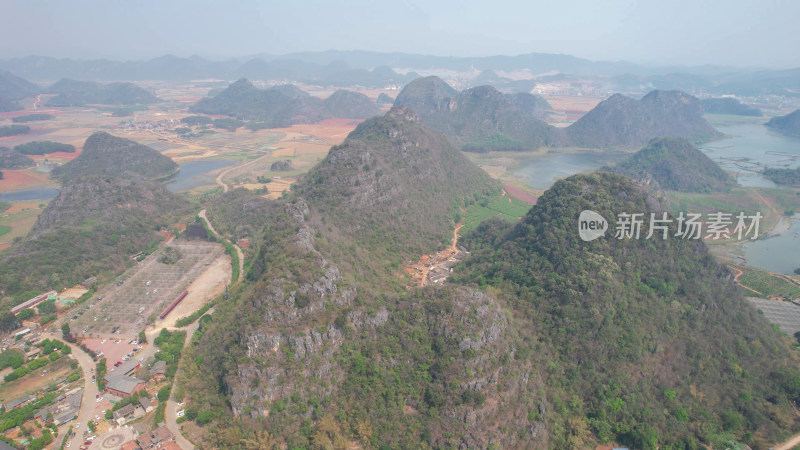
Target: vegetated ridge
column 675, row 164
column 12, row 159
column 90, row 229
column 324, row 321
column 786, row 176
column 644, row 342
column 477, row 119
column 621, row 121
column 788, row 124
column 104, row 154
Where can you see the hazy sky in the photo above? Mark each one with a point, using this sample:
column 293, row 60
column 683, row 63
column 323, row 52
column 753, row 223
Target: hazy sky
column 730, row 32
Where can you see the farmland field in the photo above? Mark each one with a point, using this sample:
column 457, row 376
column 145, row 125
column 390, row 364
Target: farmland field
column 769, row 285
column 504, row 206
column 146, row 289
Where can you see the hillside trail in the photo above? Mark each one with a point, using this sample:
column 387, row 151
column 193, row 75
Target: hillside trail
column 791, row 443
column 452, row 250
column 739, row 272
column 202, row 215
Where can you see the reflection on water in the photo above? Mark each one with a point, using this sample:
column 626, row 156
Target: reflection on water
column 194, row 174
column 29, row 194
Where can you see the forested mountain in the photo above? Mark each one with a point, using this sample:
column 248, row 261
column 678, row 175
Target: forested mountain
column 104, row 154
column 621, row 121
column 677, row 165
column 728, row 105
column 90, row 229
column 282, row 106
column 326, row 328
column 12, row 159
column 645, row 342
column 789, row 177
column 79, row 93
column 477, row 119
column 565, row 343
column 788, row 124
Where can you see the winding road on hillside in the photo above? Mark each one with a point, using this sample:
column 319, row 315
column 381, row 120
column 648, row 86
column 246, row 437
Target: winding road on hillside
column 202, row 215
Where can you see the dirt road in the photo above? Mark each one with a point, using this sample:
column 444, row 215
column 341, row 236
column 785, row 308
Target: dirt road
column 202, row 215
column 791, row 443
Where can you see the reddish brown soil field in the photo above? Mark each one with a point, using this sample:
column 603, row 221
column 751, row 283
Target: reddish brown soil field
column 21, row 179
column 520, row 194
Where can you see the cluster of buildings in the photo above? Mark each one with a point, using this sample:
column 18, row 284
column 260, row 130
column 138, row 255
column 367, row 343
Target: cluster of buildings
column 64, row 408
column 435, row 270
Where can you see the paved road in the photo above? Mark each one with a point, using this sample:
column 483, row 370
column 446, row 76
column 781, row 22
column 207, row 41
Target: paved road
column 172, row 406
column 89, row 393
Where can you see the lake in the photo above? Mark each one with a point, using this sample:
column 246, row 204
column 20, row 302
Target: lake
column 779, row 253
column 751, row 148
column 542, row 171
column 195, row 174
column 29, row 194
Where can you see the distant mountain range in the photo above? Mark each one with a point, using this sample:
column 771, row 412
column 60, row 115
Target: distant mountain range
column 677, row 165
column 788, row 124
column 79, row 93
column 483, row 119
column 284, row 105
column 350, row 68
column 728, row 105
